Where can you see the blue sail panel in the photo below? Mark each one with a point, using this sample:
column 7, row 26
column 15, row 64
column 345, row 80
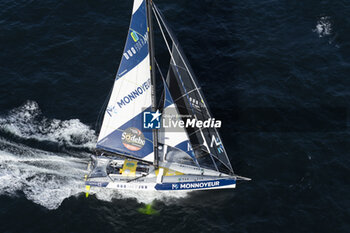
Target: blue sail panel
column 129, row 139
column 136, row 46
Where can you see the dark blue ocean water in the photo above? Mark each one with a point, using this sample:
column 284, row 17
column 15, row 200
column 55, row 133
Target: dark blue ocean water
column 275, row 72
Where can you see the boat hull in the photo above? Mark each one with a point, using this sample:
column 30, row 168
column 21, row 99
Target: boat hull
column 225, row 183
column 126, row 174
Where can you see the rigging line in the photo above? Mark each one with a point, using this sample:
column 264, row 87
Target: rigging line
column 164, row 83
column 171, row 55
column 161, row 28
column 161, row 74
column 190, row 73
column 102, row 110
column 193, row 133
column 187, row 93
column 207, row 146
column 175, row 45
column 181, row 67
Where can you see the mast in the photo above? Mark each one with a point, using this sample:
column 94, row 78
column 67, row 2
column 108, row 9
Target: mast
column 153, row 77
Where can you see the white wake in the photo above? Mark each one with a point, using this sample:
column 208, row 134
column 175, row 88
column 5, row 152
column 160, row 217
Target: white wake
column 27, row 122
column 324, row 26
column 48, row 178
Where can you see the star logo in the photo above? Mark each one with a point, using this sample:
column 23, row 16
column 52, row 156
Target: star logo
column 156, row 116
column 151, row 120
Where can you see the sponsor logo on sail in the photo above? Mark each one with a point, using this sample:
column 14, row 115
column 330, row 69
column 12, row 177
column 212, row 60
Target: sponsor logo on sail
column 134, row 94
column 111, row 110
column 133, row 139
column 140, row 42
column 218, row 144
column 209, row 184
column 124, row 101
column 134, row 35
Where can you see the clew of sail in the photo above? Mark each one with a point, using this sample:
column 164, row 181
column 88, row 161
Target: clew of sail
column 122, row 130
column 189, row 99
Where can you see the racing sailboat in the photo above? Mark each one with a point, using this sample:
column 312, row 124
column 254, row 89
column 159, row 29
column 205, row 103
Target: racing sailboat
column 136, row 148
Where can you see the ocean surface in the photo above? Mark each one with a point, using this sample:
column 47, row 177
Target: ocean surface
column 277, row 73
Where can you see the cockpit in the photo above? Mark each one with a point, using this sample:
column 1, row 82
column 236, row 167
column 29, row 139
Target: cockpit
column 114, row 167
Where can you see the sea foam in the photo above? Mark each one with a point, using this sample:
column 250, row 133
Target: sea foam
column 47, row 178
column 323, row 26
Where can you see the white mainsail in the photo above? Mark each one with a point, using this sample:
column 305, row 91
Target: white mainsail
column 122, row 130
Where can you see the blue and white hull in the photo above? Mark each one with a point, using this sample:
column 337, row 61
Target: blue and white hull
column 196, row 185
column 131, row 175
column 165, row 186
